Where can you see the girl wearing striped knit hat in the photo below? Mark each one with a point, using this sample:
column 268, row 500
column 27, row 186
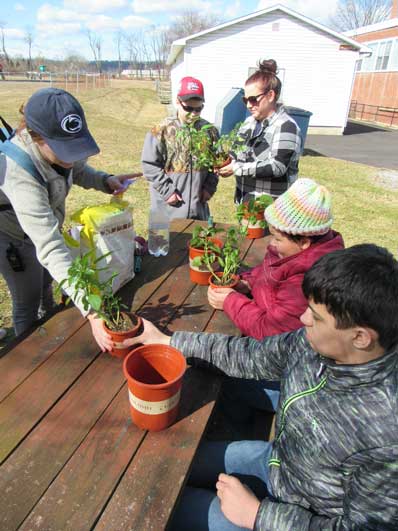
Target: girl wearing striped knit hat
column 269, row 299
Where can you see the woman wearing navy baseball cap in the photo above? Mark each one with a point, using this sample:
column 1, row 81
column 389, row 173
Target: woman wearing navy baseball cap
column 38, row 166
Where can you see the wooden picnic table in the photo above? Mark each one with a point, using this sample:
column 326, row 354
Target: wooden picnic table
column 70, row 457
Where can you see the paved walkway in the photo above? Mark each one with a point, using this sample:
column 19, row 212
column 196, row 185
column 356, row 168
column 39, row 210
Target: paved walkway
column 360, row 143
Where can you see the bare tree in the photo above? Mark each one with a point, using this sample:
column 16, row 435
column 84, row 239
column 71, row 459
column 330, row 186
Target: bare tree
column 95, row 42
column 351, row 14
column 131, row 44
column 189, row 22
column 118, row 39
column 29, row 38
column 3, row 45
column 74, row 61
column 159, row 47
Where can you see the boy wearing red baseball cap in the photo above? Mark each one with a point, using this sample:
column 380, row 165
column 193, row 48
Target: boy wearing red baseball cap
column 177, row 183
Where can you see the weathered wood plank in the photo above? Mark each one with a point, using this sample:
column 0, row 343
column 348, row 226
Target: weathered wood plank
column 28, row 403
column 28, row 472
column 148, row 491
column 27, row 355
column 77, row 496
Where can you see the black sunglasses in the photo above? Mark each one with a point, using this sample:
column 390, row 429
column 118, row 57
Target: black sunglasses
column 188, row 108
column 254, row 100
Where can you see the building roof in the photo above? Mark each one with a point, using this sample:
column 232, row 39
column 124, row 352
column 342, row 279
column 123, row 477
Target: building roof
column 385, row 24
column 179, row 44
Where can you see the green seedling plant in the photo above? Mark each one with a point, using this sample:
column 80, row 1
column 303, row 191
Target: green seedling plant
column 202, row 237
column 95, row 294
column 227, row 258
column 202, row 143
column 250, row 209
column 227, row 144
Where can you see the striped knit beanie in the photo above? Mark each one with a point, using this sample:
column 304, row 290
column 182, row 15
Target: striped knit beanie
column 304, row 209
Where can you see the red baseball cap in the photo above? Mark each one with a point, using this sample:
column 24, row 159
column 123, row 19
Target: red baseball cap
column 190, row 87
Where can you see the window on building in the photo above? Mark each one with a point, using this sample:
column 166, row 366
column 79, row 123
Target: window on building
column 393, row 64
column 383, row 55
column 369, row 60
column 358, row 65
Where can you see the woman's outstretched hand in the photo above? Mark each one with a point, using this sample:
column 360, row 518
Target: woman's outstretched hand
column 150, row 335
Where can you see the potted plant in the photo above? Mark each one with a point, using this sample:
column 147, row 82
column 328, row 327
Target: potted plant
column 203, row 243
column 228, row 143
column 202, row 142
column 223, row 265
column 98, row 296
column 250, row 215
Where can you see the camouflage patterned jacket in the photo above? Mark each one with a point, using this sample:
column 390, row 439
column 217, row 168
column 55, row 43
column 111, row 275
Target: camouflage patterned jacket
column 334, row 463
column 168, row 167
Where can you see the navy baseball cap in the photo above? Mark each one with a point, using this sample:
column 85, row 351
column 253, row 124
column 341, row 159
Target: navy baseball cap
column 58, row 117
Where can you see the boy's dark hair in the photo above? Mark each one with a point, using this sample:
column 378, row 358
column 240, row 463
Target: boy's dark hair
column 359, row 287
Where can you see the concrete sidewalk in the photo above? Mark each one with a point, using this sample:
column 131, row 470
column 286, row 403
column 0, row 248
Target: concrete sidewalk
column 366, row 144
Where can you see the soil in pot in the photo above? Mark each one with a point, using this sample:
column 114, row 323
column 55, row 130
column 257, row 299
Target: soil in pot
column 130, row 327
column 218, row 284
column 154, row 377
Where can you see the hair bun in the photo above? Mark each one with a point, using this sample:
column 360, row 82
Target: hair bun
column 268, row 66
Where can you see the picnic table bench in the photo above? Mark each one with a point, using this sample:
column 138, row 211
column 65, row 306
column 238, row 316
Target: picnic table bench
column 70, row 457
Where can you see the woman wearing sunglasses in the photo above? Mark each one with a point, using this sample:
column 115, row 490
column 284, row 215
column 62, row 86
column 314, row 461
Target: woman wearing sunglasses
column 269, row 161
column 175, row 182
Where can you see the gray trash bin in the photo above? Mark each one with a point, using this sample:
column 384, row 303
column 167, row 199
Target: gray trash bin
column 302, row 119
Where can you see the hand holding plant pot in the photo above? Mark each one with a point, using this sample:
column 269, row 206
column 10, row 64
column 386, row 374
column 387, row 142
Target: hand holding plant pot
column 250, row 215
column 98, row 296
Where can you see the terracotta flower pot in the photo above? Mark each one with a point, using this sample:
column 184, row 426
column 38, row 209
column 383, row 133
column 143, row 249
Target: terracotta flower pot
column 225, row 163
column 154, row 378
column 200, row 274
column 234, row 282
column 254, row 230
column 118, row 337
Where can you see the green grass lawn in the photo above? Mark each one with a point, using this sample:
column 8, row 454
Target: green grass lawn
column 120, row 115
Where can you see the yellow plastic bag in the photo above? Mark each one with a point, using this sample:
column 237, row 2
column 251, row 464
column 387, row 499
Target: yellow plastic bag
column 106, row 228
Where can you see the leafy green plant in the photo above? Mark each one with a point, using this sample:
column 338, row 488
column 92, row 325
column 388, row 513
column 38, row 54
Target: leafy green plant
column 228, row 258
column 202, row 238
column 229, row 143
column 249, row 210
column 207, row 151
column 201, row 142
column 95, row 294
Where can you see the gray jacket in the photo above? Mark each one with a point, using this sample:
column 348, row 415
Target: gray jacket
column 168, row 167
column 334, row 464
column 39, row 211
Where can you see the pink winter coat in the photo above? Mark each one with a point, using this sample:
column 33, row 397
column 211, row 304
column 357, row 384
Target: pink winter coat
column 278, row 300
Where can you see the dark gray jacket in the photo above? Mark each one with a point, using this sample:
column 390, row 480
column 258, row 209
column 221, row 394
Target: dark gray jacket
column 334, row 464
column 167, row 166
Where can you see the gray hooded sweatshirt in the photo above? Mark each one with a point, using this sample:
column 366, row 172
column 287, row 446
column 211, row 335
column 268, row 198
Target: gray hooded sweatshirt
column 38, row 211
column 334, row 463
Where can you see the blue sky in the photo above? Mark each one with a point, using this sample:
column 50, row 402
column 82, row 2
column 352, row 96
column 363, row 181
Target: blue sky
column 60, row 26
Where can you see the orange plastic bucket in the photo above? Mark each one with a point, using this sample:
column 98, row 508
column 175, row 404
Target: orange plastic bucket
column 154, row 378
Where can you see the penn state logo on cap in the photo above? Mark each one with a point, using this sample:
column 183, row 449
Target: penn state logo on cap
column 72, row 123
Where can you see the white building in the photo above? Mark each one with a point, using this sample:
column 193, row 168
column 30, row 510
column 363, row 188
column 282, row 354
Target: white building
column 316, row 64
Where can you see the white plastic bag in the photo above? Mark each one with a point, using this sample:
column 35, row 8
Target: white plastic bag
column 106, row 228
